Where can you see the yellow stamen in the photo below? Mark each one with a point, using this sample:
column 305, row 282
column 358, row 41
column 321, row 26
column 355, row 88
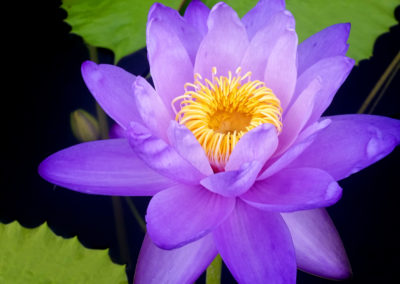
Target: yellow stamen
column 221, row 111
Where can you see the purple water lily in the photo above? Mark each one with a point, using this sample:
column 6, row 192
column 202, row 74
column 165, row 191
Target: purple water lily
column 231, row 143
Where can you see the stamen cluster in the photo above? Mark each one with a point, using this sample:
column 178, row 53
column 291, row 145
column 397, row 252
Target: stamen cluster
column 219, row 112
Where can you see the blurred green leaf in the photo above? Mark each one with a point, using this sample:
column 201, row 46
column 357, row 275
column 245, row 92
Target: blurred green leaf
column 39, row 256
column 119, row 25
column 368, row 18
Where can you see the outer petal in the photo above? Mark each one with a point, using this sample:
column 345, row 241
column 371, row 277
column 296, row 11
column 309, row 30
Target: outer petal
column 161, row 157
column 257, row 145
column 332, row 71
column 261, row 14
column 224, row 45
column 281, row 71
column 166, row 52
column 151, row 108
column 233, row 183
column 188, row 35
column 294, row 189
column 256, row 246
column 107, row 167
column 182, row 265
column 184, row 142
column 181, row 214
column 261, row 45
column 350, row 143
column 276, row 164
column 112, row 88
column 329, row 42
column 319, row 249
column 196, row 14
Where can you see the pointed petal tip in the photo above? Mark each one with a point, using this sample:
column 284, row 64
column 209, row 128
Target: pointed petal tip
column 344, row 272
column 218, row 5
column 345, row 27
column 48, row 170
column 287, row 13
column 139, row 82
column 333, row 193
column 291, row 23
column 88, row 64
column 340, row 272
column 152, row 9
column 89, row 69
column 350, row 62
column 42, row 169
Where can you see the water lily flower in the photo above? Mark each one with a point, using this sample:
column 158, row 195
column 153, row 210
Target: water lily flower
column 230, row 143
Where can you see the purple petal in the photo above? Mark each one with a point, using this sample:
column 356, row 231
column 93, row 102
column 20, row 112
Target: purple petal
column 294, row 189
column 261, row 14
column 181, row 265
column 319, row 249
column 297, row 115
column 182, row 214
column 261, row 45
column 350, row 143
column 188, row 35
column 107, row 167
column 281, row 71
column 166, row 53
column 196, row 14
column 332, row 71
column 151, row 108
column 224, row 45
column 233, row 183
column 112, row 88
column 161, row 157
column 184, row 142
column 116, row 131
column 275, row 164
column 329, row 42
column 256, row 246
column 256, row 145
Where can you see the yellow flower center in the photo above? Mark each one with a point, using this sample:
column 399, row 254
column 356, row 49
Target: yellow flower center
column 219, row 112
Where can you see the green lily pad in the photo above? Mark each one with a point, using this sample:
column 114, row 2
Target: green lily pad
column 39, row 256
column 119, row 25
column 368, row 18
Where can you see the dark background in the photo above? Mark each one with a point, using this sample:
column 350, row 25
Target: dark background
column 43, row 86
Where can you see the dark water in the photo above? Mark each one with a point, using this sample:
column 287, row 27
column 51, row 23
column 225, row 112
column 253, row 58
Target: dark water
column 47, row 86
